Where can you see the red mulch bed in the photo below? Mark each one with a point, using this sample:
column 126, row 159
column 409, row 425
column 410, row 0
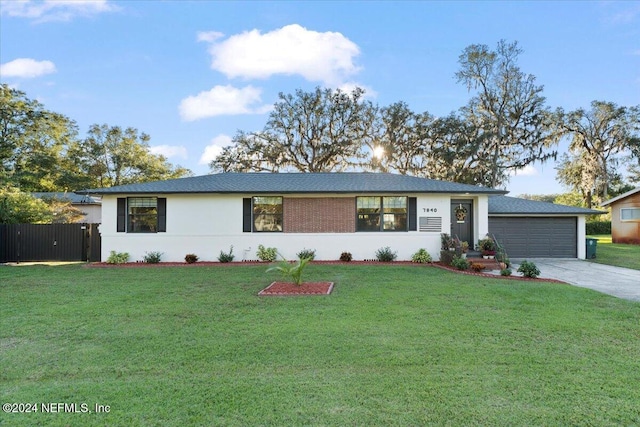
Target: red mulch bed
column 171, row 264
column 289, row 289
column 221, row 264
column 494, row 276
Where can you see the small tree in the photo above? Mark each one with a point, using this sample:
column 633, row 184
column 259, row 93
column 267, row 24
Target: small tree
column 62, row 211
column 294, row 271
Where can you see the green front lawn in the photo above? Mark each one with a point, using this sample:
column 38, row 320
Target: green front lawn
column 393, row 345
column 620, row 255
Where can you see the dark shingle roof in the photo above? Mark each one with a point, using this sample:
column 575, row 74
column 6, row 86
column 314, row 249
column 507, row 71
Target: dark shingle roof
column 71, row 197
column 284, row 183
column 514, row 205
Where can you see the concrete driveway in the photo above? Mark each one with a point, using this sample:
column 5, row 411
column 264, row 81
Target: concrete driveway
column 617, row 281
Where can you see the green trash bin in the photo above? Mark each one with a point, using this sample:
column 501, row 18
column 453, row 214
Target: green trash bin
column 592, row 244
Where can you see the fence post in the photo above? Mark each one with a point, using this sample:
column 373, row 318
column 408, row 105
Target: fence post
column 18, row 241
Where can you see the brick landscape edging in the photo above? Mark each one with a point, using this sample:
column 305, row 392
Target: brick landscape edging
column 497, row 276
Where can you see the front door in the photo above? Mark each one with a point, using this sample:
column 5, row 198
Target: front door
column 462, row 220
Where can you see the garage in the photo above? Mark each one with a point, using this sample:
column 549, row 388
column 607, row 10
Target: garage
column 536, row 237
column 534, row 229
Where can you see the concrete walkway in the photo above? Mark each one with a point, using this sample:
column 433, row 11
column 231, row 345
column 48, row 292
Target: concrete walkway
column 617, row 281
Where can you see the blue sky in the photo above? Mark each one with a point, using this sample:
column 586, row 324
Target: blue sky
column 190, row 74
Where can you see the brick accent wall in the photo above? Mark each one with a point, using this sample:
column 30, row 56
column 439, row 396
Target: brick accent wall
column 319, row 215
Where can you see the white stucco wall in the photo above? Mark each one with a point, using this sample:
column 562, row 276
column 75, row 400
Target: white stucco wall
column 481, row 217
column 206, row 224
column 582, row 237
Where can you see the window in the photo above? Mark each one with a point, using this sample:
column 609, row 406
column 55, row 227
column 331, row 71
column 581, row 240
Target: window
column 630, row 214
column 368, row 213
column 382, row 213
column 395, row 213
column 267, row 214
column 142, row 215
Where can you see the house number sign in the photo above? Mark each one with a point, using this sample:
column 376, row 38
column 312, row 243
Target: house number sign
column 430, row 209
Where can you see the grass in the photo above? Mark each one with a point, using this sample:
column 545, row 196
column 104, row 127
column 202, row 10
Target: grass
column 393, row 345
column 620, row 255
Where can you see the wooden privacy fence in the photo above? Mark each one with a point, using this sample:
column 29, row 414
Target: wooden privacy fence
column 49, row 242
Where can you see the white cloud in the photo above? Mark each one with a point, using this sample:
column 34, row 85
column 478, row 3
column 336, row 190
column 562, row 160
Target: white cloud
column 170, row 151
column 209, row 36
column 348, row 87
column 222, row 100
column 55, row 10
column 214, row 149
column 320, row 57
column 621, row 13
column 528, row 170
column 26, row 68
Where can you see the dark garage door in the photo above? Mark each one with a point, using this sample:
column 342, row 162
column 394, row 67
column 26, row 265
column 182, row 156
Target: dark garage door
column 534, row 237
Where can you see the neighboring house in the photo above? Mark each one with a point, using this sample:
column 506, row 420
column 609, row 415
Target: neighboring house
column 89, row 205
column 327, row 212
column 625, row 217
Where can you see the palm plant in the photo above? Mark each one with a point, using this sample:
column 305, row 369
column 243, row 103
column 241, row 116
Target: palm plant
column 294, row 271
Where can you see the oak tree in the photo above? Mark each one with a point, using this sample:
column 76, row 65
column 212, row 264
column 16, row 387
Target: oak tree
column 111, row 156
column 33, row 143
column 601, row 138
column 508, row 109
column 319, row 131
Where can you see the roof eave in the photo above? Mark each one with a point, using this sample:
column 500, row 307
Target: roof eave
column 549, row 213
column 463, row 193
column 621, row 196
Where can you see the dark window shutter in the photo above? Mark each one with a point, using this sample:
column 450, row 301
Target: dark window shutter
column 122, row 215
column 246, row 215
column 162, row 214
column 413, row 214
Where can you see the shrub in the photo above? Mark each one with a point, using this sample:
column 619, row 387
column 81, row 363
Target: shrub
column 386, row 254
column 477, row 267
column 309, row 254
column 152, row 257
column 346, row 256
column 117, row 257
column 446, row 257
column 291, row 270
column 598, row 227
column 267, row 254
column 460, row 263
column 529, row 269
column 421, row 256
column 446, row 242
column 191, row 258
column 505, row 272
column 226, row 257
